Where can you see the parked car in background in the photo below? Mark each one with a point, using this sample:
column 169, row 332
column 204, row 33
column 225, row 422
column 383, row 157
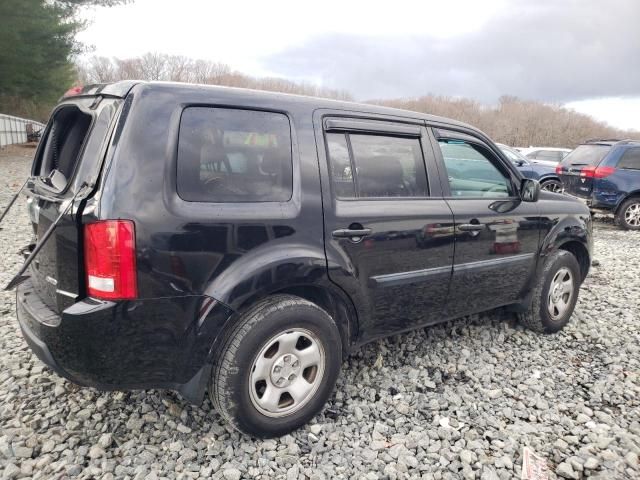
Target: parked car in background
column 605, row 174
column 546, row 175
column 243, row 242
column 545, row 155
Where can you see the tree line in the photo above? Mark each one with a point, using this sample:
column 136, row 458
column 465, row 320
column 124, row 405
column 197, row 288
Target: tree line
column 178, row 68
column 512, row 121
column 518, row 122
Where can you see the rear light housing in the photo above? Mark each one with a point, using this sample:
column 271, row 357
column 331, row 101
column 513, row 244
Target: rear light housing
column 110, row 259
column 559, row 169
column 591, row 171
column 73, row 91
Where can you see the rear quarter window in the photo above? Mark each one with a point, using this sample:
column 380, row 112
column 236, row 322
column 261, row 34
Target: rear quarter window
column 630, row 159
column 234, row 155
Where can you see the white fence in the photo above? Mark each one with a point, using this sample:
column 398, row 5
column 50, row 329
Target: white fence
column 17, row 130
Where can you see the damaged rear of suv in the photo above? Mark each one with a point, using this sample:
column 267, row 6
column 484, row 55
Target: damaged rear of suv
column 78, row 300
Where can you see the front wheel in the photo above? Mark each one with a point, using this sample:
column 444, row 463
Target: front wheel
column 555, row 294
column 277, row 367
column 628, row 215
column 552, row 186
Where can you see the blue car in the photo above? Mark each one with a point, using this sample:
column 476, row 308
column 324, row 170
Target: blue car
column 605, row 174
column 545, row 174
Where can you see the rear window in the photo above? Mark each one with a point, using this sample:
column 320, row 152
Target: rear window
column 549, row 155
column 233, row 155
column 587, row 155
column 62, row 146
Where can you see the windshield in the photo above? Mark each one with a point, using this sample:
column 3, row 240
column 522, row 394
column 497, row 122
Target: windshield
column 587, row 155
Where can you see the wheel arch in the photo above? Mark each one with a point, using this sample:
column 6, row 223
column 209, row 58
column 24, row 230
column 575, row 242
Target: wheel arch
column 627, row 196
column 573, row 234
column 578, row 250
column 293, row 269
column 550, row 176
column 335, row 303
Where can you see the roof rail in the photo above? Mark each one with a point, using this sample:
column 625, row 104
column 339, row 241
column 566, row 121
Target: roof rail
column 593, row 140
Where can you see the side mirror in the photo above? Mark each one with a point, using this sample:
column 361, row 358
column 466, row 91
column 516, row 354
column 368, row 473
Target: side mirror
column 519, row 162
column 529, row 190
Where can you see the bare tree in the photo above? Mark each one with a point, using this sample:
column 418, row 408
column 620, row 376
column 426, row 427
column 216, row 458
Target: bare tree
column 158, row 66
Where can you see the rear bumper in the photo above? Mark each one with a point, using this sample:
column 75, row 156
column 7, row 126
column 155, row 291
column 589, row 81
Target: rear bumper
column 593, row 204
column 155, row 343
column 38, row 347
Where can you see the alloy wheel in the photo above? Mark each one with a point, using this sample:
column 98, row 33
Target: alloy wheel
column 560, row 293
column 552, row 186
column 632, row 215
column 286, row 373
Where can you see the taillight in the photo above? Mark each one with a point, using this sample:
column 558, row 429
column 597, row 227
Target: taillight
column 559, row 169
column 110, row 259
column 596, row 172
column 73, row 91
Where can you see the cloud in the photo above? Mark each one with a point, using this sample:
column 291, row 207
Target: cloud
column 555, row 51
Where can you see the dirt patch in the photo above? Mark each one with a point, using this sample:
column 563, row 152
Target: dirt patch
column 19, row 150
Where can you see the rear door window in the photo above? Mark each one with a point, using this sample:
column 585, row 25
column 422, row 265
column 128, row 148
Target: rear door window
column 630, row 159
column 376, row 166
column 234, row 155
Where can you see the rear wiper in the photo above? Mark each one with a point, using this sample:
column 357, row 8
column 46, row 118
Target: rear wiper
column 13, row 200
column 20, row 277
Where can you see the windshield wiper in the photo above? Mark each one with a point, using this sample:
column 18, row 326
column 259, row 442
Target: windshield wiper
column 20, row 277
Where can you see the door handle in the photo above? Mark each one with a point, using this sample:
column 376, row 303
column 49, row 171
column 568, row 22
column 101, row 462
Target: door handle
column 471, row 227
column 351, row 233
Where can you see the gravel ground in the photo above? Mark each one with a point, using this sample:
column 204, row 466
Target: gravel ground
column 459, row 400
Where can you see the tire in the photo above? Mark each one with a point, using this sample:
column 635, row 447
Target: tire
column 559, row 265
column 551, row 186
column 628, row 215
column 283, row 334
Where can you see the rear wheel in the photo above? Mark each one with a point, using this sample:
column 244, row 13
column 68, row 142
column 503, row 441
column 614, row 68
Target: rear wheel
column 628, row 215
column 555, row 294
column 277, row 367
column 551, row 186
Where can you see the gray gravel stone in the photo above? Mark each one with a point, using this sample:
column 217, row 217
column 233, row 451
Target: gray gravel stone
column 457, row 400
column 565, row 470
column 232, row 474
column 23, row 452
column 11, row 471
column 591, row 463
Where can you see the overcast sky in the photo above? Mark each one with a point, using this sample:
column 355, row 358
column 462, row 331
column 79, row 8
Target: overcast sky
column 582, row 53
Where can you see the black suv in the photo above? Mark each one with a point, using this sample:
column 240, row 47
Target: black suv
column 196, row 237
column 605, row 175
